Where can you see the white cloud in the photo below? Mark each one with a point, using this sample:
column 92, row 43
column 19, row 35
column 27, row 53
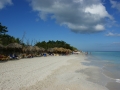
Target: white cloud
column 112, row 34
column 83, row 16
column 98, row 10
column 3, row 3
column 43, row 15
column 99, row 27
column 115, row 4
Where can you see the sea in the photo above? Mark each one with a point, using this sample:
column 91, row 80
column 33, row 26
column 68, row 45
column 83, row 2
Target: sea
column 107, row 71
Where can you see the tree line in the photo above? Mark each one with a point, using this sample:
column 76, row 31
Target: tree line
column 52, row 44
column 6, row 39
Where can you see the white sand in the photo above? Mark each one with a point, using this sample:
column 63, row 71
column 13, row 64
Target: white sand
column 46, row 73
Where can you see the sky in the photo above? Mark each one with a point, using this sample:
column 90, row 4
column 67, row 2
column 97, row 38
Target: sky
column 89, row 25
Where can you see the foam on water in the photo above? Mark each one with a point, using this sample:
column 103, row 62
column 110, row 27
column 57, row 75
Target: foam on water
column 109, row 63
column 118, row 80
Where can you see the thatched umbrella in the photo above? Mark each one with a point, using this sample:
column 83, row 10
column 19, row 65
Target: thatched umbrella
column 14, row 46
column 61, row 49
column 36, row 49
column 70, row 51
column 42, row 49
column 28, row 49
column 55, row 49
column 50, row 50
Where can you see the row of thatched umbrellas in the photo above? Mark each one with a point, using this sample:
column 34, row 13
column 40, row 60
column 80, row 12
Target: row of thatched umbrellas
column 16, row 46
column 60, row 50
column 32, row 49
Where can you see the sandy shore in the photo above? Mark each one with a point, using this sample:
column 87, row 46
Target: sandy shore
column 46, row 73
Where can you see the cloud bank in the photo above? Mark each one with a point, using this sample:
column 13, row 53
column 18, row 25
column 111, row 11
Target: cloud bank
column 82, row 16
column 3, row 3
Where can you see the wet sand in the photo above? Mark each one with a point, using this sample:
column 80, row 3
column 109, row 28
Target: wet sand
column 113, row 86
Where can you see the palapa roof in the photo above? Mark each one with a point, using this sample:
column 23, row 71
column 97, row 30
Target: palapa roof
column 42, row 49
column 14, row 45
column 28, row 48
column 36, row 48
column 50, row 49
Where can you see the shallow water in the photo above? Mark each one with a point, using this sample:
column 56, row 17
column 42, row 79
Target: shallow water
column 113, row 86
column 107, row 71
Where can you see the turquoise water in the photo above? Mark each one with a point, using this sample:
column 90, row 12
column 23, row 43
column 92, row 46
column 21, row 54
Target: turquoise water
column 110, row 56
column 108, row 64
column 109, row 61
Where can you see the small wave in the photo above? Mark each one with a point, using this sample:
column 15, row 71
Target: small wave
column 118, row 80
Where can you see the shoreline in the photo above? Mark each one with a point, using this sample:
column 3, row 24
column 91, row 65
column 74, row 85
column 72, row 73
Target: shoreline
column 47, row 73
column 102, row 75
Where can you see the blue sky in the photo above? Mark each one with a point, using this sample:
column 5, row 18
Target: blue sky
column 89, row 25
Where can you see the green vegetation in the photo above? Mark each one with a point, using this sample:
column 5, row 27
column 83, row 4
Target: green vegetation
column 52, row 44
column 3, row 29
column 6, row 39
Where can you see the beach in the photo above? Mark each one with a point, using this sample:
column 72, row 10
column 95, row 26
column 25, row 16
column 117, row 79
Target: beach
column 47, row 73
